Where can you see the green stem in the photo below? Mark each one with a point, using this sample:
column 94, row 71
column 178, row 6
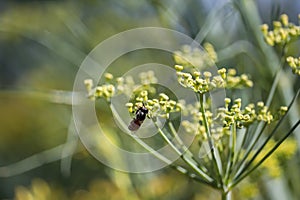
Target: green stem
column 260, row 127
column 269, row 136
column 191, row 163
column 177, row 138
column 266, row 156
column 210, row 140
column 164, row 136
column 191, row 175
column 160, row 156
column 232, row 144
column 273, row 87
column 277, row 77
column 241, row 147
column 137, row 139
column 185, row 149
column 226, row 195
column 249, row 149
column 176, row 167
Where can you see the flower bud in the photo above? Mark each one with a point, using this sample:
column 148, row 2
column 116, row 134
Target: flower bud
column 179, row 67
column 108, row 76
column 88, row 84
column 284, row 19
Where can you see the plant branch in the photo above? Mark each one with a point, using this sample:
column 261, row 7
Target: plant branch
column 191, row 163
column 232, row 144
column 241, row 147
column 210, row 140
column 160, row 156
column 267, row 155
column 269, row 136
column 249, row 149
column 185, row 149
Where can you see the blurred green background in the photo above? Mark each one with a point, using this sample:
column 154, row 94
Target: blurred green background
column 42, row 44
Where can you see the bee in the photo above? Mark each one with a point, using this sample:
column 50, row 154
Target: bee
column 140, row 116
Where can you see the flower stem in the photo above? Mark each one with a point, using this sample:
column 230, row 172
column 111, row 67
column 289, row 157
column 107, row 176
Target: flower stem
column 185, row 149
column 243, row 169
column 160, row 156
column 245, row 135
column 210, row 140
column 231, row 157
column 267, row 155
column 277, row 77
column 254, row 141
column 273, row 87
column 191, row 163
column 226, row 195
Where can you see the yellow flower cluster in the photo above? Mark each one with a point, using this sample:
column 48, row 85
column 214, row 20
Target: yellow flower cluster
column 283, row 31
column 195, row 125
column 263, row 113
column 147, row 78
column 232, row 81
column 206, row 82
column 294, row 63
column 160, row 107
column 120, row 85
column 195, row 57
column 106, row 91
column 235, row 115
column 198, row 129
column 247, row 116
column 227, row 116
column 211, row 51
column 195, row 128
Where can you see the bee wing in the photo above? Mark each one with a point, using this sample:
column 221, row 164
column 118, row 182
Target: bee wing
column 134, row 125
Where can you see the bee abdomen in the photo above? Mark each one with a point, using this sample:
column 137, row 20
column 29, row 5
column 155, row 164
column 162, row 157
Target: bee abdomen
column 134, row 125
